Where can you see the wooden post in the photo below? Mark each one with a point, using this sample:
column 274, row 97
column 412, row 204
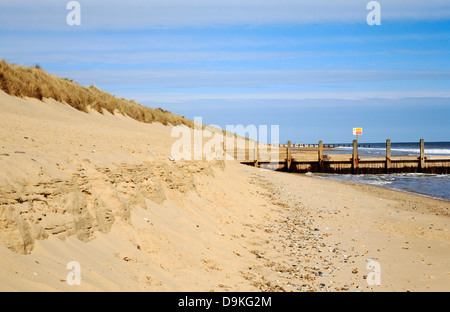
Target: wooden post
column 422, row 155
column 246, row 150
column 224, row 152
column 257, row 151
column 355, row 156
column 289, row 156
column 256, row 154
column 235, row 146
column 224, row 149
column 320, row 156
column 388, row 155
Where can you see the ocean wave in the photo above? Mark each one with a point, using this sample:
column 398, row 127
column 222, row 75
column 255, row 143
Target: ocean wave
column 409, row 151
column 434, row 151
column 432, row 185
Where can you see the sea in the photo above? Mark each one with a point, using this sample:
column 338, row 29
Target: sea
column 432, row 185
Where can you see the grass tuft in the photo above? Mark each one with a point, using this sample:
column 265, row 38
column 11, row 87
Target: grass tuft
column 34, row 82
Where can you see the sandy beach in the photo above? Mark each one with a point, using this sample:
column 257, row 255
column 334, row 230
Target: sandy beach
column 100, row 189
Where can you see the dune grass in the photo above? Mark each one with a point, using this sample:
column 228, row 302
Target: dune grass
column 34, row 82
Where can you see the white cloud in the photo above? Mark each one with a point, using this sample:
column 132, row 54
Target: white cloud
column 261, row 96
column 198, row 77
column 136, row 14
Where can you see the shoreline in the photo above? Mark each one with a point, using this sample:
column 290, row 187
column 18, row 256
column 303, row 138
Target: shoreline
column 395, row 193
column 384, row 187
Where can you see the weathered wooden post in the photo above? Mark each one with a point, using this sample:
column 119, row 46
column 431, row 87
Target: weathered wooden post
column 224, row 150
column 256, row 154
column 422, row 155
column 355, row 156
column 288, row 157
column 247, row 150
column 235, row 146
column 228, row 147
column 320, row 156
column 388, row 155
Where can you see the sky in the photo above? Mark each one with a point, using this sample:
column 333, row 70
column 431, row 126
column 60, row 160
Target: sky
column 316, row 69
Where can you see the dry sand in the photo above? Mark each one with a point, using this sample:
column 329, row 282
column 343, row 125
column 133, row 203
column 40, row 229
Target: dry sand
column 100, row 190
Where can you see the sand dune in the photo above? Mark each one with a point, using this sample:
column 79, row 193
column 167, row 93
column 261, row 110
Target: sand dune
column 100, row 189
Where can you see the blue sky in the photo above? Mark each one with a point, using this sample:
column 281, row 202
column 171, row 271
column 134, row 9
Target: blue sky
column 316, row 69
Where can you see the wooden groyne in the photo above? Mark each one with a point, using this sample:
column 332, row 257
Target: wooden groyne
column 302, row 159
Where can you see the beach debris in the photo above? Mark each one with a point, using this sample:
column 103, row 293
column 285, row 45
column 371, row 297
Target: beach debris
column 4, row 154
column 147, row 219
column 171, row 158
column 93, row 151
column 19, row 152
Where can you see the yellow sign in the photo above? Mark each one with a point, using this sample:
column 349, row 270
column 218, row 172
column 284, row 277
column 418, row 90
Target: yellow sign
column 357, row 131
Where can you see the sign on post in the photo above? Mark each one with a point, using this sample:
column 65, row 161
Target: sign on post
column 357, row 131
